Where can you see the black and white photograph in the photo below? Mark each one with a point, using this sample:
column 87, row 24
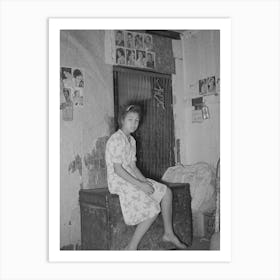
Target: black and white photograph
column 66, row 77
column 65, row 73
column 148, row 42
column 150, row 61
column 137, row 51
column 211, row 84
column 120, row 56
column 161, row 187
column 203, row 86
column 78, row 98
column 217, row 84
column 119, row 38
column 135, row 161
column 67, row 95
column 140, row 59
column 129, row 40
column 130, row 57
column 78, row 78
column 138, row 41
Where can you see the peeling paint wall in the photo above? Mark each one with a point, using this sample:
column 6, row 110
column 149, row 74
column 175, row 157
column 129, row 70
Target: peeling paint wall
column 84, row 49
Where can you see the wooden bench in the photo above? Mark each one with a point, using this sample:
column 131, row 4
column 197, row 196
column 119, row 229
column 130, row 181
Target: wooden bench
column 103, row 227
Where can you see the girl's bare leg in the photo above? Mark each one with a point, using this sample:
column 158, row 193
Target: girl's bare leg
column 166, row 211
column 141, row 229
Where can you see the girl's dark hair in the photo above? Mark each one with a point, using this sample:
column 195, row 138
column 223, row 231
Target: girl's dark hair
column 128, row 109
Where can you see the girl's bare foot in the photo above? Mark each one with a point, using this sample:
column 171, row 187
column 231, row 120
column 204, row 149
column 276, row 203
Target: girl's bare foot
column 174, row 240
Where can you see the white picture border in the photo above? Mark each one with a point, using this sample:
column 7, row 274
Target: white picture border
column 57, row 255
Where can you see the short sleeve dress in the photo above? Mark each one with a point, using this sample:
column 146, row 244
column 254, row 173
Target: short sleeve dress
column 135, row 204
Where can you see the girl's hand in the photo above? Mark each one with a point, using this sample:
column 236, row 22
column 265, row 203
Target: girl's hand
column 147, row 187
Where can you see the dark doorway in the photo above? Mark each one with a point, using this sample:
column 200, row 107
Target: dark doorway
column 155, row 135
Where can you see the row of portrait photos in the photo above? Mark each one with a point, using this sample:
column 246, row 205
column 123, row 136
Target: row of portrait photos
column 133, row 40
column 135, row 58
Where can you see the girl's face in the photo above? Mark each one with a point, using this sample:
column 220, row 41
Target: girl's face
column 130, row 122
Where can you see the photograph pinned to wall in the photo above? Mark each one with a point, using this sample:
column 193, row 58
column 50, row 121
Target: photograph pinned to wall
column 66, row 76
column 67, row 95
column 78, row 96
column 130, row 57
column 120, row 56
column 211, row 84
column 138, row 41
column 72, row 84
column 205, row 112
column 218, row 84
column 67, row 105
column 140, row 58
column 203, row 86
column 133, row 49
column 65, row 72
column 78, row 77
column 148, row 42
column 150, row 63
column 65, row 98
column 129, row 40
column 119, row 38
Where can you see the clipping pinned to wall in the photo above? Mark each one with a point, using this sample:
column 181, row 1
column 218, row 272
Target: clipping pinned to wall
column 200, row 110
column 139, row 49
column 209, row 85
column 134, row 49
column 72, row 84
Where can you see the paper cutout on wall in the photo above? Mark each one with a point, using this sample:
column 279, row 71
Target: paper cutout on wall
column 205, row 112
column 72, row 84
column 211, row 84
column 78, row 77
column 203, row 86
column 66, row 105
column 207, row 85
column 218, row 85
column 78, row 97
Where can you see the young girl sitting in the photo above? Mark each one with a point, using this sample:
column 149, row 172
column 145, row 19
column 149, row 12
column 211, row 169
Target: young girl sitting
column 141, row 198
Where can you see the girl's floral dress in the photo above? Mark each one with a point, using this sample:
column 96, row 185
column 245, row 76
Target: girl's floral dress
column 135, row 204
